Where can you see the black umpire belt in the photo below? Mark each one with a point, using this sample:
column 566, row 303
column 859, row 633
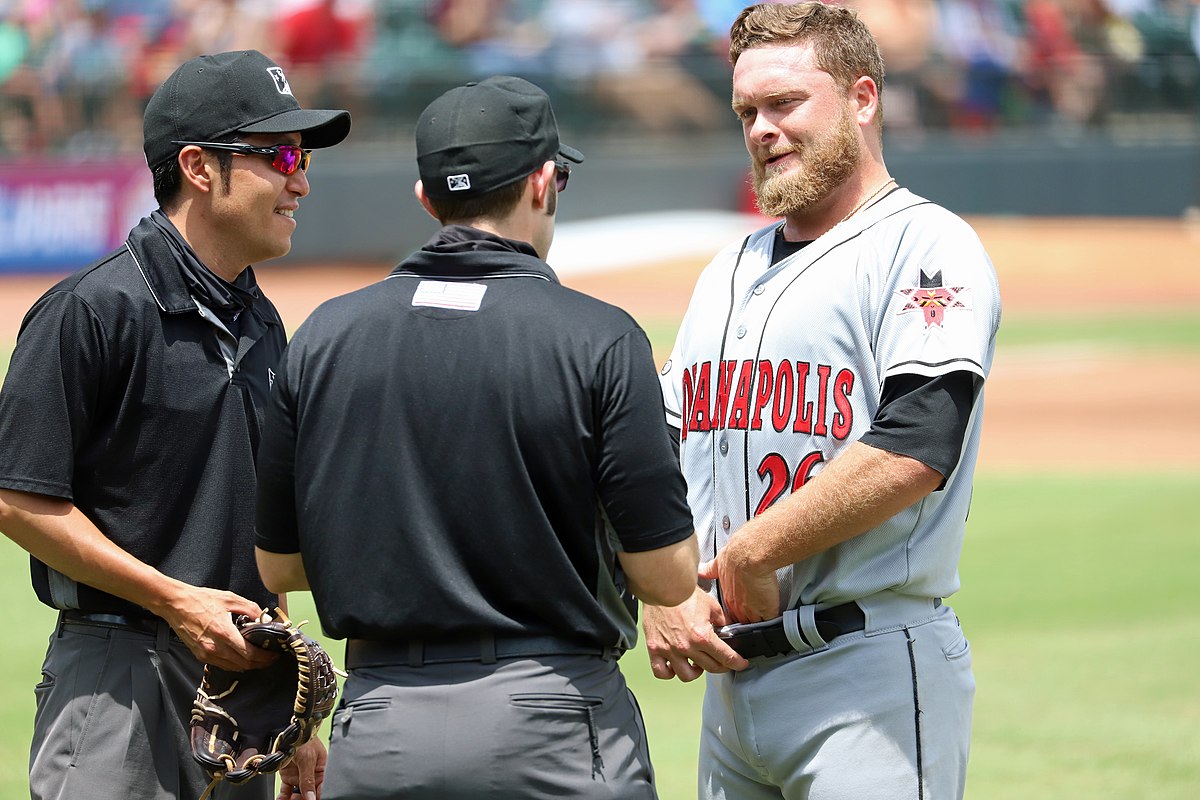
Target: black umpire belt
column 151, row 626
column 485, row 649
column 770, row 638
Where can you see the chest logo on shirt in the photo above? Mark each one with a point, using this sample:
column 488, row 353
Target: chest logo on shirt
column 270, row 379
column 789, row 396
column 933, row 299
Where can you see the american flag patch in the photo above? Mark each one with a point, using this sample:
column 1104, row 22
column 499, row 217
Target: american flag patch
column 448, row 294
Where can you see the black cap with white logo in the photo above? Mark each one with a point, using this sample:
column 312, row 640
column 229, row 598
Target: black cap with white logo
column 239, row 92
column 482, row 136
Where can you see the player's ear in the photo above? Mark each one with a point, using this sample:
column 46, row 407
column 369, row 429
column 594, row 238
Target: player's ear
column 542, row 181
column 195, row 169
column 419, row 191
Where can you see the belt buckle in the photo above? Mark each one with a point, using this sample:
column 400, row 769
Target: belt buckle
column 749, row 639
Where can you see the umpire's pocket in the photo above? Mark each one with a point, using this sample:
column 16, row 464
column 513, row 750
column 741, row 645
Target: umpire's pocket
column 560, row 729
column 348, row 710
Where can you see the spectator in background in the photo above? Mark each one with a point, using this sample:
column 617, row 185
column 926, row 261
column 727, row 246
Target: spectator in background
column 320, row 44
column 1064, row 81
column 980, row 49
column 634, row 73
column 906, row 31
column 87, row 64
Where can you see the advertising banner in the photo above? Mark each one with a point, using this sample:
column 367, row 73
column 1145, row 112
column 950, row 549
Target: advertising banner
column 57, row 216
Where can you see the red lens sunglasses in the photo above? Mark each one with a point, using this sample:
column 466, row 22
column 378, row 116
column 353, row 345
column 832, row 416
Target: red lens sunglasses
column 286, row 158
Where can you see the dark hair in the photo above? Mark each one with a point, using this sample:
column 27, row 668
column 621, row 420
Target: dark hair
column 495, row 204
column 843, row 44
column 168, row 180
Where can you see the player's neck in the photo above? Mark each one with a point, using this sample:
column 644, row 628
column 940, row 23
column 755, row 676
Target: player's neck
column 854, row 197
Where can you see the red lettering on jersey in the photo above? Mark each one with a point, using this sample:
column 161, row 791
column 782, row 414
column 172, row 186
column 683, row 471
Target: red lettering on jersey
column 781, row 411
column 843, row 420
column 739, row 415
column 819, row 427
column 689, row 390
column 723, row 382
column 804, row 410
column 701, row 417
column 766, row 375
column 773, row 470
column 805, row 467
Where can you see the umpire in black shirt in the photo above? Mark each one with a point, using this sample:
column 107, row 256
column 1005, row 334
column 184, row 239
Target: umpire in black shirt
column 466, row 462
column 129, row 420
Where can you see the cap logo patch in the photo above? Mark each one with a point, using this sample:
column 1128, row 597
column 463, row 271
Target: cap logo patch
column 458, row 183
column 281, row 82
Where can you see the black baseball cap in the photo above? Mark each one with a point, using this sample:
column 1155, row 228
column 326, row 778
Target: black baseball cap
column 482, row 136
column 239, row 92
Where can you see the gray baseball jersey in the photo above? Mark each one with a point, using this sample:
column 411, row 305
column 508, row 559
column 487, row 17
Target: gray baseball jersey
column 777, row 369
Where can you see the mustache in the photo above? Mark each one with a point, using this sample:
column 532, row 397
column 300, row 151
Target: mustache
column 777, row 151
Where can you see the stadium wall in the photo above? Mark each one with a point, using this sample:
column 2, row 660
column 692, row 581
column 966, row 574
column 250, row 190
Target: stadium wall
column 363, row 209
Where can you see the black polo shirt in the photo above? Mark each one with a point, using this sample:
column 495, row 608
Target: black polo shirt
column 122, row 398
column 463, row 447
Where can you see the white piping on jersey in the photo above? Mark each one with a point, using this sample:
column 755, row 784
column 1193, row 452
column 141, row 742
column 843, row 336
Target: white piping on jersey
column 145, row 278
column 407, row 274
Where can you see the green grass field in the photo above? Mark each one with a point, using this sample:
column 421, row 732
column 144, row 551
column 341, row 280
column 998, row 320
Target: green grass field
column 1078, row 600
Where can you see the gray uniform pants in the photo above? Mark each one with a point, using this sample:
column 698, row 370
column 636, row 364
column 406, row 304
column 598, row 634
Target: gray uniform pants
column 547, row 727
column 882, row 714
column 112, row 720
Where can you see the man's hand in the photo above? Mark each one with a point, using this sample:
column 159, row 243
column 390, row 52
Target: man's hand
column 203, row 619
column 682, row 642
column 750, row 593
column 306, row 771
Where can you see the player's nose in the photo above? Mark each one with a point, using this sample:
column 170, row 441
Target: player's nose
column 297, row 183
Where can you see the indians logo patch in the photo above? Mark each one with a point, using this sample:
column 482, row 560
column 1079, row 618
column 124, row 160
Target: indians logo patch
column 933, row 299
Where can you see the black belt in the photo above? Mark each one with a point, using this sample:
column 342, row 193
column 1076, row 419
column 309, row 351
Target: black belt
column 485, row 649
column 152, row 626
column 770, row 638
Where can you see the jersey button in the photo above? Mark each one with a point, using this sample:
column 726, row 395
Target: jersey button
column 741, row 331
column 759, row 289
column 725, row 523
column 724, row 447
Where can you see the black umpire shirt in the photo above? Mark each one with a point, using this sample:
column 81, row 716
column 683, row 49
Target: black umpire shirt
column 127, row 398
column 463, row 447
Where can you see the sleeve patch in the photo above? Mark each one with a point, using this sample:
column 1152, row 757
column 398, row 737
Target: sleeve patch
column 933, row 299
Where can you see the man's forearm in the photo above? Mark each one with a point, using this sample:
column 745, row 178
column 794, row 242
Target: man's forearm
column 58, row 534
column 860, row 489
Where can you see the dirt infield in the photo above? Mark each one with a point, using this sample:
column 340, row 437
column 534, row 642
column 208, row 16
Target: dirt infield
column 1081, row 409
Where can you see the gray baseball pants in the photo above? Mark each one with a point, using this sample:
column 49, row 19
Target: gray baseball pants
column 112, row 720
column 881, row 714
column 543, row 727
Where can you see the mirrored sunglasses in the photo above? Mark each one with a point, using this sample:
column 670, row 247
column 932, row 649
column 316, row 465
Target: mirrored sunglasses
column 286, row 158
column 562, row 174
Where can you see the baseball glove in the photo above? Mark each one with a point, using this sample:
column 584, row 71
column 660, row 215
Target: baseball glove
column 250, row 723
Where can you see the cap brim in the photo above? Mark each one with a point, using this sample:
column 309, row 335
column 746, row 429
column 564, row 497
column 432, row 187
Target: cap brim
column 570, row 153
column 317, row 127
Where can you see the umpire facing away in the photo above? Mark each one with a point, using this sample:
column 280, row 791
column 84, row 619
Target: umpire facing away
column 466, row 462
column 128, row 425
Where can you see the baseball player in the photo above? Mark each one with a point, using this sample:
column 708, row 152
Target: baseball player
column 129, row 420
column 826, row 385
column 467, row 464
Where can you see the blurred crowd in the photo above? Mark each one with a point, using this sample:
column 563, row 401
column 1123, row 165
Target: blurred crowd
column 75, row 74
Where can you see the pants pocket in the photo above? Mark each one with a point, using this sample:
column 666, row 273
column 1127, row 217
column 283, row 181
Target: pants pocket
column 561, row 718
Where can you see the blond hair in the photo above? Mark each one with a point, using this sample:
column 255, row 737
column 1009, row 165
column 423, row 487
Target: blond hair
column 843, row 45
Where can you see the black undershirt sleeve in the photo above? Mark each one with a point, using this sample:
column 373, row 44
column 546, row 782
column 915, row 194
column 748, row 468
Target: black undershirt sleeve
column 925, row 418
